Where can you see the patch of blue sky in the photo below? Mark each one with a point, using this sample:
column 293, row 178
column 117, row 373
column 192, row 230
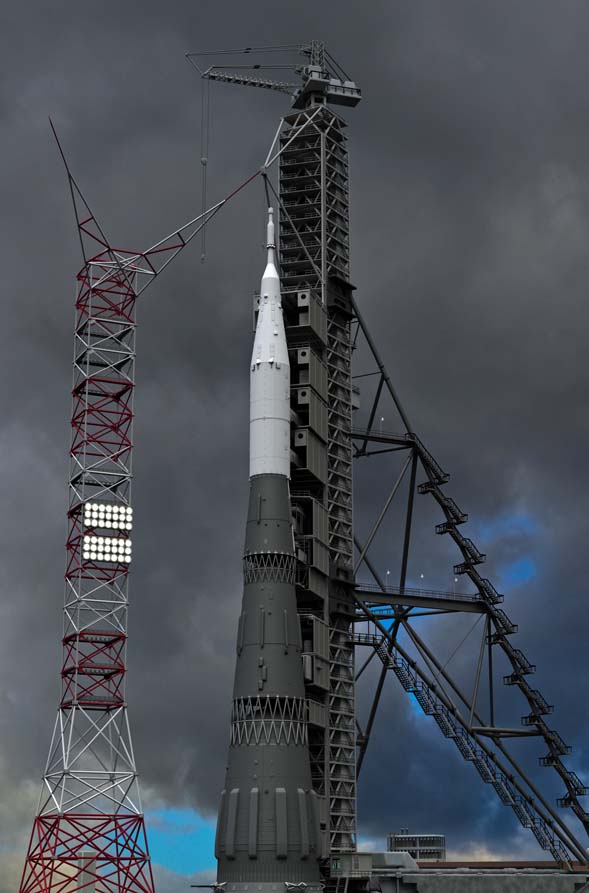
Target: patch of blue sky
column 519, row 526
column 181, row 840
column 506, row 525
column 520, row 571
column 368, row 844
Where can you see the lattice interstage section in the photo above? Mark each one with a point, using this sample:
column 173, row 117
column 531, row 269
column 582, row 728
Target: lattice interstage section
column 269, row 719
column 89, row 833
column 268, row 567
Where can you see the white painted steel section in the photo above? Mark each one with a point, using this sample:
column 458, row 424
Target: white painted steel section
column 270, row 377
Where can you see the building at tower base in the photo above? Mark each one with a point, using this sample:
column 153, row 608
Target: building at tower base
column 398, row 873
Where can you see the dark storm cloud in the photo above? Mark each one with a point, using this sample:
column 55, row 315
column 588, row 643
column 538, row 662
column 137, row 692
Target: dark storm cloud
column 469, row 163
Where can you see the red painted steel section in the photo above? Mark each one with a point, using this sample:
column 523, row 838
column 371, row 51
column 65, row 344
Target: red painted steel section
column 71, row 850
column 88, row 853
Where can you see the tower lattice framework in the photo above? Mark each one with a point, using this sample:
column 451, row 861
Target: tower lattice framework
column 89, row 831
column 314, row 259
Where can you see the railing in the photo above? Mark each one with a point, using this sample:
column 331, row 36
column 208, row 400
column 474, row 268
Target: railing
column 376, row 433
column 406, row 590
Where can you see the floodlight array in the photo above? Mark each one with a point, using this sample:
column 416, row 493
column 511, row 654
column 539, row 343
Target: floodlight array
column 106, row 514
column 106, row 548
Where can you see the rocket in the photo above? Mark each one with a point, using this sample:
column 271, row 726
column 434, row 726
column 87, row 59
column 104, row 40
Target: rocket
column 268, row 827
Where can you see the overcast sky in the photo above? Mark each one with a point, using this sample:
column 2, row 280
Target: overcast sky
column 470, row 222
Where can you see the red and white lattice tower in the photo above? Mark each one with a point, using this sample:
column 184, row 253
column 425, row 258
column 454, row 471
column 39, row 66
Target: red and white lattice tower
column 89, row 833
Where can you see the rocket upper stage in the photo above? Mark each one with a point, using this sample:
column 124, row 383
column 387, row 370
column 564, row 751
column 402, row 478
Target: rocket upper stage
column 270, row 377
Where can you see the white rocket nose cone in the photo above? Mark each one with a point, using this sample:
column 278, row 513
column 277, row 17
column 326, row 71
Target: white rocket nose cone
column 270, row 377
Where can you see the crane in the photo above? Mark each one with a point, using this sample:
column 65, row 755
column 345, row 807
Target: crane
column 321, row 79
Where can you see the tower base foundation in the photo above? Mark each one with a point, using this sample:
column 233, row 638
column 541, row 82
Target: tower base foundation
column 399, row 873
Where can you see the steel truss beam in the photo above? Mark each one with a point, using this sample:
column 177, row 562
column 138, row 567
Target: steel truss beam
column 314, row 235
column 313, row 251
column 389, row 610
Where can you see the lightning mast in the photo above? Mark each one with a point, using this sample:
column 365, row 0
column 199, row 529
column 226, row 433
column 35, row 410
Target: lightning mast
column 89, row 832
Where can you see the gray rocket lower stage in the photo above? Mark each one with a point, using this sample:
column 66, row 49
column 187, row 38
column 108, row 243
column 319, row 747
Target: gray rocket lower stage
column 268, row 832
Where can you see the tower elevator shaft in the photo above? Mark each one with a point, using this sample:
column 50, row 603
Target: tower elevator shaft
column 314, row 265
